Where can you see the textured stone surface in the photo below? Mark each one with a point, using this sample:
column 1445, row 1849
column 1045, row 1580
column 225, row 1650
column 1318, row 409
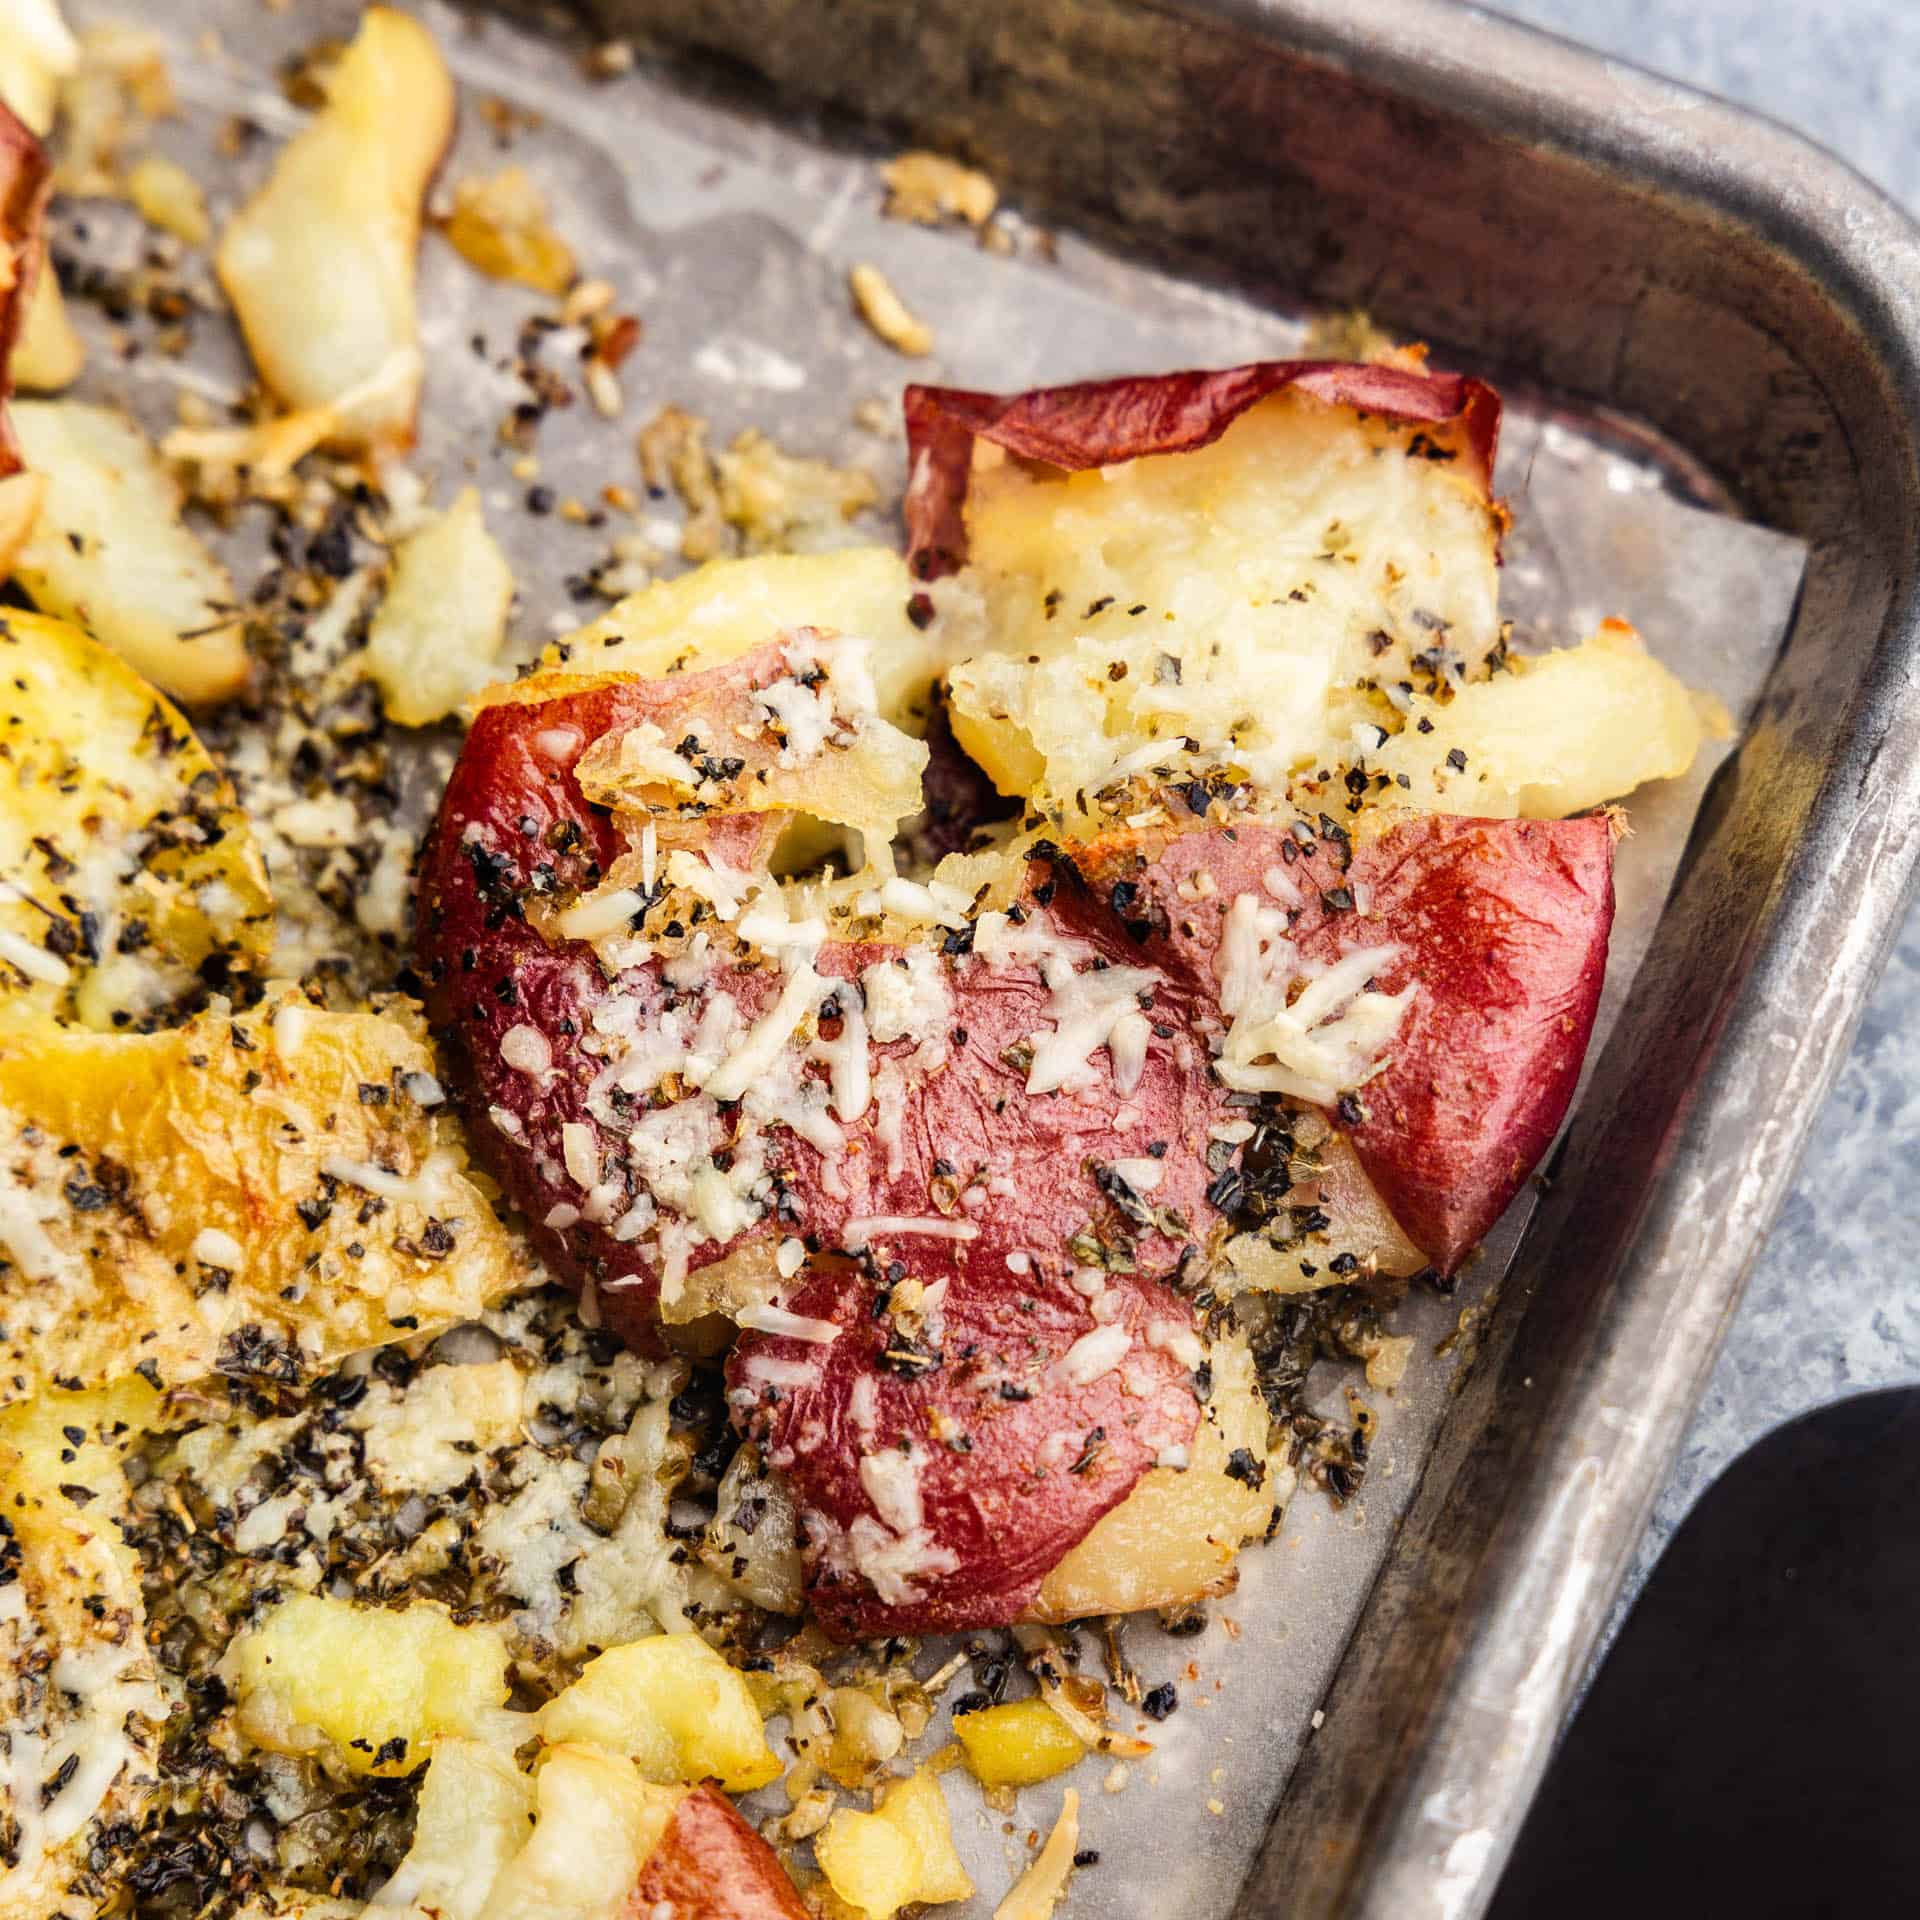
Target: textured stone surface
column 1831, row 1309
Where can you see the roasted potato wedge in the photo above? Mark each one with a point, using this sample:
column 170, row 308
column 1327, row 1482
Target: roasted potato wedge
column 261, row 1193
column 110, row 552
column 320, row 263
column 132, row 882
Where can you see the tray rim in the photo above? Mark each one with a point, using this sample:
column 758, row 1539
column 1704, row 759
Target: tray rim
column 1431, row 1833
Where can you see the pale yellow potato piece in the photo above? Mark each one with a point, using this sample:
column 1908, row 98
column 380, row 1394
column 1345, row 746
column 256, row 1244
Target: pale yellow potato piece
column 671, row 1705
column 1359, row 1224
column 1174, row 1537
column 169, row 197
column 436, row 636
column 112, row 809
column 1307, row 549
column 872, row 1864
column 320, row 263
column 346, row 1682
column 49, row 354
column 111, row 552
column 1554, row 734
column 729, row 607
column 475, row 1814
column 37, row 52
column 74, row 1614
column 598, row 1825
column 918, row 1807
column 174, row 1241
column 1017, row 1744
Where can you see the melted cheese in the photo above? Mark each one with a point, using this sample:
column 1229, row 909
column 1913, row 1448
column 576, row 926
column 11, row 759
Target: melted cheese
column 1312, row 1044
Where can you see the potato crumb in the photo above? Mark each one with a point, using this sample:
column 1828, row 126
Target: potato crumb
column 500, row 225
column 168, row 197
column 887, row 314
column 928, row 188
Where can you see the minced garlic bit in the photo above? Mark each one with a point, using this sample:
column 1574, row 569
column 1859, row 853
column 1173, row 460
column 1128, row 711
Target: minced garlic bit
column 887, row 314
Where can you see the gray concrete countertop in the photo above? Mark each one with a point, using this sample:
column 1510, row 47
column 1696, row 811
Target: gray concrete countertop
column 1828, row 1312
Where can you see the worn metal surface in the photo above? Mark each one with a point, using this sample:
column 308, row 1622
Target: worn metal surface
column 1535, row 212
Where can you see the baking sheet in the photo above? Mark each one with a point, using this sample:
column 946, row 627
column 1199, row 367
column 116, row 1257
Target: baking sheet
column 731, row 239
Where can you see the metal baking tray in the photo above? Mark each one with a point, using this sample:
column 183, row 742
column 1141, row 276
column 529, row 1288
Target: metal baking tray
column 1710, row 333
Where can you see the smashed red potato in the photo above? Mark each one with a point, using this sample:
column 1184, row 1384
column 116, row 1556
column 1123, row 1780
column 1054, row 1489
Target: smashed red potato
column 951, row 1185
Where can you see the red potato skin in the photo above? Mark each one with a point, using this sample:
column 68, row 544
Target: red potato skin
column 1030, row 1461
column 26, row 180
column 1503, row 923
column 710, row 1865
column 1096, row 423
column 488, row 970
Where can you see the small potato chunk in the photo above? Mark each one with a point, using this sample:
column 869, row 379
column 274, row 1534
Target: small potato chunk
column 1017, row 1744
column 111, row 553
column 674, row 1707
column 211, row 1216
column 438, row 633
column 368, row 1688
column 49, row 355
column 729, row 607
column 918, row 1807
column 132, row 877
column 319, row 264
column 1174, row 1537
column 476, row 1812
column 1555, row 734
column 599, row 1823
column 869, row 1862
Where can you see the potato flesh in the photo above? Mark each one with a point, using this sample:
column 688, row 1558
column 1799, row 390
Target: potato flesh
column 1557, row 733
column 598, row 1824
column 476, row 1812
column 74, row 1613
column 1017, row 1744
column 1263, row 565
column 216, row 1167
column 328, row 1677
column 728, row 607
column 899, row 1854
column 437, row 634
column 115, row 811
column 320, row 263
column 111, row 553
column 1174, row 1538
column 673, row 1707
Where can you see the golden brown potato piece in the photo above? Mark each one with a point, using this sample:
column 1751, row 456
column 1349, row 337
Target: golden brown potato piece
column 261, row 1194
column 129, row 877
column 319, row 264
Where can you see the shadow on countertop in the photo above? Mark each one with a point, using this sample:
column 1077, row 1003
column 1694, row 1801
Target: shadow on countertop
column 1751, row 1745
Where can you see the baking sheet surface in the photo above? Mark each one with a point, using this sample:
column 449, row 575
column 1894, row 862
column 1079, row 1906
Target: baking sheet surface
column 731, row 240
